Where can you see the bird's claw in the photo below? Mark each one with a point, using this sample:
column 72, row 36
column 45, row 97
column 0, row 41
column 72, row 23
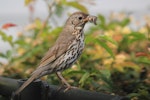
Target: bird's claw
column 66, row 88
column 70, row 87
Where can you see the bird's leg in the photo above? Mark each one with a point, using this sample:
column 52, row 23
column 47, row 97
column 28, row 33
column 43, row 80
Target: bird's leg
column 64, row 82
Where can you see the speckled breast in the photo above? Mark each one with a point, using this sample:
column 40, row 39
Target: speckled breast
column 74, row 51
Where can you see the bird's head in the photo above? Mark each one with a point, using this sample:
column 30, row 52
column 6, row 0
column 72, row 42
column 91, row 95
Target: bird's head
column 79, row 19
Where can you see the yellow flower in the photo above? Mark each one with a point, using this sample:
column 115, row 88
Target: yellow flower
column 21, row 51
column 28, row 40
column 74, row 67
column 108, row 61
column 126, row 30
column 143, row 30
column 118, row 29
column 109, row 33
column 37, row 42
column 120, row 58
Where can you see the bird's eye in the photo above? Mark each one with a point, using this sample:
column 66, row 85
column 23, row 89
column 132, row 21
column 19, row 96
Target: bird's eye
column 80, row 18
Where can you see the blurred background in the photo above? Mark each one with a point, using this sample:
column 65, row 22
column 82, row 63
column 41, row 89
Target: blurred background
column 116, row 59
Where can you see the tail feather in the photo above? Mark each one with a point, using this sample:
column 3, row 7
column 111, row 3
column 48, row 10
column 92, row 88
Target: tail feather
column 31, row 79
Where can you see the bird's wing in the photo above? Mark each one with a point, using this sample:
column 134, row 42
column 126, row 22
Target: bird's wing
column 57, row 50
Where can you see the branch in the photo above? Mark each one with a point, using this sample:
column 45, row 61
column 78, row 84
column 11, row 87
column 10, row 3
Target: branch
column 50, row 12
column 40, row 90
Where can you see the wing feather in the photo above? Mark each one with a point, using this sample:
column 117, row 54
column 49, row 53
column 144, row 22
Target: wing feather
column 57, row 50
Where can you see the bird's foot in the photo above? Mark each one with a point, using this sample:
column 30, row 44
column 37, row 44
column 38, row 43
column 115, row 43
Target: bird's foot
column 66, row 87
column 70, row 87
column 65, row 84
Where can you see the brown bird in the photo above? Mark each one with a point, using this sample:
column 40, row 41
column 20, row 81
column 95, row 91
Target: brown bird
column 66, row 50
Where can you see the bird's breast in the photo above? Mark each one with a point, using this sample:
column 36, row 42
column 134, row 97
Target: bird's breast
column 72, row 54
column 75, row 50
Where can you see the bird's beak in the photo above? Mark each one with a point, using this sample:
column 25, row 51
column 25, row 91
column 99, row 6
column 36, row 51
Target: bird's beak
column 91, row 19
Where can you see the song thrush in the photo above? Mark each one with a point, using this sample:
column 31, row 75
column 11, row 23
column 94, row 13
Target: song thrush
column 66, row 50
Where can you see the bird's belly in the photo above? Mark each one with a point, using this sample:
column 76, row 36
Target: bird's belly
column 72, row 54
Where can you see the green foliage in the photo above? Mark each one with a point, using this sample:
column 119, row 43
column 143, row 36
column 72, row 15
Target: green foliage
column 108, row 64
column 104, row 45
column 6, row 38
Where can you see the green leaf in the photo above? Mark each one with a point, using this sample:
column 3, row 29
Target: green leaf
column 9, row 53
column 3, row 55
column 102, row 19
column 131, row 95
column 108, row 39
column 129, row 39
column 56, row 30
column 77, row 5
column 20, row 42
column 59, row 10
column 38, row 23
column 84, row 78
column 136, row 36
column 6, row 38
column 105, row 74
column 125, row 22
column 104, row 45
column 112, row 25
column 101, row 41
column 143, row 60
column 73, row 72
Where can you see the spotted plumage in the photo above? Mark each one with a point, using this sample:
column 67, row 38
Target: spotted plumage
column 66, row 50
